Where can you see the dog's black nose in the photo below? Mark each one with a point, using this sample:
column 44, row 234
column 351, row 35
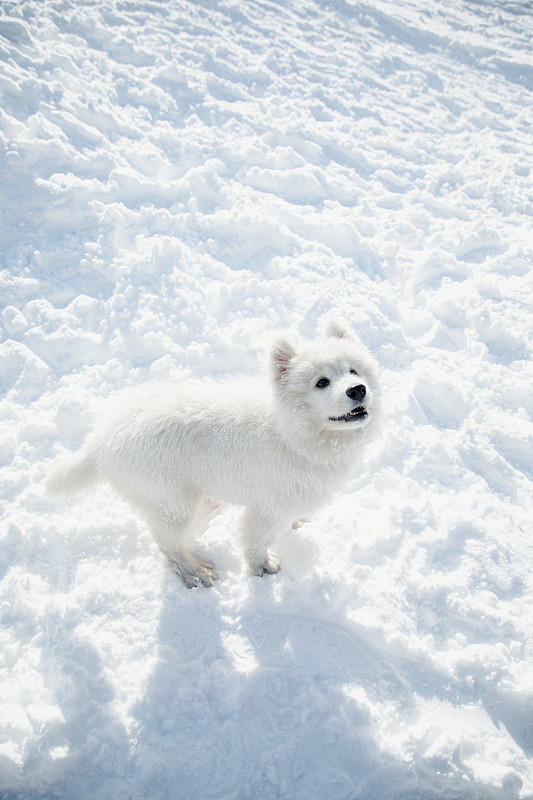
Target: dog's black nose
column 356, row 393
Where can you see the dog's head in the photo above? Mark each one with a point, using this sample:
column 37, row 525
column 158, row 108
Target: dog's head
column 330, row 383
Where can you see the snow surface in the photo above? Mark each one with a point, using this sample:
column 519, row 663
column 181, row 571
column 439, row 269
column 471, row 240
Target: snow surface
column 179, row 180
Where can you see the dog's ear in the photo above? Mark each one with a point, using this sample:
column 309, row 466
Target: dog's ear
column 338, row 328
column 283, row 351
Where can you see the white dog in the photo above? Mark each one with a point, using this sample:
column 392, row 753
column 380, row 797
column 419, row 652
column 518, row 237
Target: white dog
column 279, row 445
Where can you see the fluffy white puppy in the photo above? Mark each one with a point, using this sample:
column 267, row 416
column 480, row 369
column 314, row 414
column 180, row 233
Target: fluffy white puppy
column 279, row 445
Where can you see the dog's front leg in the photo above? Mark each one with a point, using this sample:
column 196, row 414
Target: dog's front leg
column 260, row 531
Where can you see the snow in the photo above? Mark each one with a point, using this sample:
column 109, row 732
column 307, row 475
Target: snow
column 179, row 180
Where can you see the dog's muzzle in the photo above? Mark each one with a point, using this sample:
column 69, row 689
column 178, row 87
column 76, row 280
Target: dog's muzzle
column 355, row 414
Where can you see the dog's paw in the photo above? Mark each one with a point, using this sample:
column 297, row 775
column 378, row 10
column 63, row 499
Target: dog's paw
column 202, row 573
column 206, row 573
column 264, row 561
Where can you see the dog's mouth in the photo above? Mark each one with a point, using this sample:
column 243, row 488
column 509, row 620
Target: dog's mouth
column 356, row 413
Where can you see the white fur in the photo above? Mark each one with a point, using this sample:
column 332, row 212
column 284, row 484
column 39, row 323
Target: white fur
column 269, row 444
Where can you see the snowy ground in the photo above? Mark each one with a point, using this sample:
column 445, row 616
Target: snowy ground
column 180, row 179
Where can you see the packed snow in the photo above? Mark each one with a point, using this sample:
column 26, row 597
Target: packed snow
column 180, row 180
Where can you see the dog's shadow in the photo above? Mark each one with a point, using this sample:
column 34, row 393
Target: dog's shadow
column 255, row 694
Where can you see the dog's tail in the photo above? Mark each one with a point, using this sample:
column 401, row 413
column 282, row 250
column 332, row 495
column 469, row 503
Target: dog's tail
column 73, row 474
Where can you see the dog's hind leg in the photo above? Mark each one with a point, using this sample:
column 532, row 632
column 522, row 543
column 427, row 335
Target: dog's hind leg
column 171, row 530
column 203, row 512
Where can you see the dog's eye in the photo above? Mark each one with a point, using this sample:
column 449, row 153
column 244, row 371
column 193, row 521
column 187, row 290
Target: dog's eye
column 353, row 372
column 322, row 383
